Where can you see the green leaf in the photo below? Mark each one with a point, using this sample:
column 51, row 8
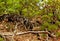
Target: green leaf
column 52, row 27
column 45, row 24
column 9, row 1
column 37, row 0
column 25, row 10
column 50, row 14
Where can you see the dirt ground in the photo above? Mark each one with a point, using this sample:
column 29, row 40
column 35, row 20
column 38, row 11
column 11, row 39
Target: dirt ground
column 10, row 27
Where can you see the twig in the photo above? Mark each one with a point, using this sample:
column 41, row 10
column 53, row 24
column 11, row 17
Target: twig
column 22, row 33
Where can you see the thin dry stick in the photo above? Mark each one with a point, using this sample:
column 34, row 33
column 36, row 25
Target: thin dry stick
column 26, row 32
column 22, row 33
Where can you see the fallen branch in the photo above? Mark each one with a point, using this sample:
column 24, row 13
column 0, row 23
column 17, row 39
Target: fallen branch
column 11, row 33
column 26, row 32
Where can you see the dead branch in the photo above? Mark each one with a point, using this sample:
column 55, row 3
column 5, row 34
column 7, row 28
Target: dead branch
column 26, row 32
column 11, row 33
